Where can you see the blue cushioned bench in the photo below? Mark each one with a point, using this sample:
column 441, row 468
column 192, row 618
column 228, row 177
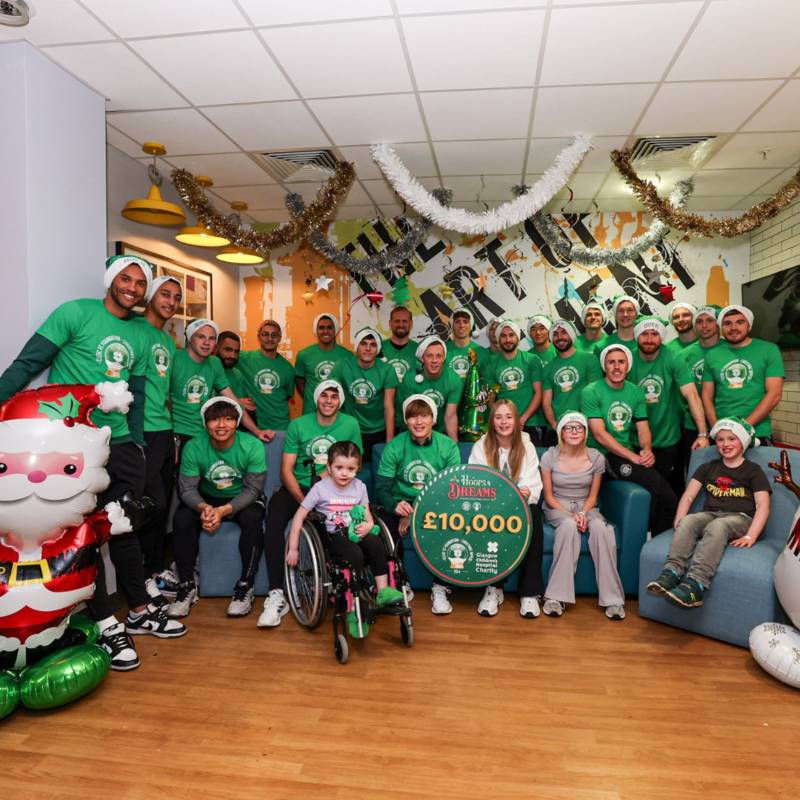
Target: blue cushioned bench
column 742, row 594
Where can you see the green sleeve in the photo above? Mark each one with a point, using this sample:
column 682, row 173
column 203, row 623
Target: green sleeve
column 291, row 444
column 37, row 354
column 383, row 492
column 453, row 457
column 594, row 373
column 390, row 381
column 356, row 436
column 535, row 369
column 681, row 373
column 300, row 364
column 388, row 467
column 190, row 463
column 455, row 388
column 257, row 457
column 547, row 378
column 61, row 324
column 220, row 379
column 640, row 409
column 708, row 375
column 774, row 362
column 590, row 404
column 136, row 384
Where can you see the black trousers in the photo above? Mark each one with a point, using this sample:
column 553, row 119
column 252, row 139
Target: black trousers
column 542, row 436
column 126, row 469
column 370, row 550
column 186, row 529
column 663, row 503
column 159, row 483
column 369, row 440
column 667, row 466
column 282, row 507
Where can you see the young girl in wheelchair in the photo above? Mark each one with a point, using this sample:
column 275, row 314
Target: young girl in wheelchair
column 333, row 497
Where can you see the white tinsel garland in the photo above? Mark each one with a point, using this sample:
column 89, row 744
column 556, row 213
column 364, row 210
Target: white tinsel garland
column 600, row 256
column 495, row 219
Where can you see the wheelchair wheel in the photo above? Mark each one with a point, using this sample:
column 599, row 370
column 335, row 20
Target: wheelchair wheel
column 341, row 648
column 385, row 535
column 407, row 631
column 307, row 583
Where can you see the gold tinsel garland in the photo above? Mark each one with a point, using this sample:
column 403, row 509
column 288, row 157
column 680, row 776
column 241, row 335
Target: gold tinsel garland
column 315, row 215
column 695, row 223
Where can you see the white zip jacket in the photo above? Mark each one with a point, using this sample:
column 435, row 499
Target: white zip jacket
column 530, row 476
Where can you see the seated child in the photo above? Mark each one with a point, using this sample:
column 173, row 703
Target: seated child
column 334, row 497
column 735, row 511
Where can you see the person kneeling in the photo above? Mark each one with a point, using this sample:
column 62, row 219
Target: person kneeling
column 335, row 497
column 735, row 511
column 221, row 475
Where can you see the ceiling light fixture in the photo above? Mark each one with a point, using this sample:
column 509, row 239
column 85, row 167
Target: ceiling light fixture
column 198, row 235
column 154, row 210
column 234, row 254
column 14, row 13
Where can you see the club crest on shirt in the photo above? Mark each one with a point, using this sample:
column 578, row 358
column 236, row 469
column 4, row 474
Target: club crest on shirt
column 318, row 448
column 267, row 381
column 161, row 359
column 322, row 370
column 362, row 391
column 511, row 378
column 195, row 390
column 652, row 386
column 418, row 473
column 400, row 367
column 697, row 369
column 115, row 354
column 222, row 475
column 460, row 364
column 736, row 372
column 565, row 378
column 619, row 415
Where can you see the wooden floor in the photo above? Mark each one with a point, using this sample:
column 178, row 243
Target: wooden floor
column 570, row 708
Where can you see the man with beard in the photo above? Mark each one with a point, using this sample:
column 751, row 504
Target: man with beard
column 229, row 345
column 594, row 338
column 398, row 351
column 682, row 318
column 461, row 342
column 308, row 439
column 624, row 309
column 315, row 362
column 564, row 378
column 663, row 376
column 617, row 415
column 743, row 376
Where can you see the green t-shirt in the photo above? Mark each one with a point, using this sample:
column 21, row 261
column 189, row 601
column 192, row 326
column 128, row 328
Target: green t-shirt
column 190, row 386
column 739, row 375
column 695, row 357
column 159, row 357
column 620, row 409
column 660, row 380
column 546, row 356
column 314, row 365
column 306, row 438
column 457, row 359
column 364, row 390
column 445, row 389
column 403, row 359
column 270, row 383
column 676, row 346
column 584, row 345
column 567, row 377
column 412, row 466
column 95, row 346
column 222, row 472
column 614, row 339
column 515, row 377
column 236, row 381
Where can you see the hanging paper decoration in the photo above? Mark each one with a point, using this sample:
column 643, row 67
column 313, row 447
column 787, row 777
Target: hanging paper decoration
column 314, row 216
column 672, row 216
column 378, row 262
column 400, row 292
column 493, row 220
column 567, row 252
column 323, row 283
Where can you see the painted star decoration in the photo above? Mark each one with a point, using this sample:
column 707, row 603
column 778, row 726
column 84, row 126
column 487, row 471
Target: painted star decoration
column 323, row 283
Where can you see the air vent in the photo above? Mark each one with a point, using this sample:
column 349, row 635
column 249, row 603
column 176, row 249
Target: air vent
column 298, row 166
column 14, row 13
column 664, row 152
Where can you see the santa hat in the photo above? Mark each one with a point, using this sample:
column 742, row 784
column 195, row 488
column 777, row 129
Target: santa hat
column 508, row 323
column 624, row 298
column 220, row 398
column 739, row 427
column 650, row 324
column 593, row 304
column 570, row 417
column 565, row 325
column 115, row 265
column 328, row 384
column 466, row 312
column 688, row 306
column 193, row 327
column 364, row 333
column 710, row 311
column 158, row 283
column 331, row 317
column 539, row 319
column 606, row 350
column 425, row 399
column 743, row 310
column 420, row 351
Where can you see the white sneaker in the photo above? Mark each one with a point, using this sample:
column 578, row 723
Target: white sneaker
column 552, row 608
column 490, row 602
column 408, row 592
column 116, row 642
column 528, row 607
column 185, row 598
column 242, row 601
column 275, row 608
column 615, row 612
column 440, row 603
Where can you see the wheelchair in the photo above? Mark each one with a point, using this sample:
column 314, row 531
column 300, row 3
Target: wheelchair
column 320, row 581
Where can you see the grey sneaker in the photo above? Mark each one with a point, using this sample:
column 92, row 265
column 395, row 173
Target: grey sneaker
column 242, row 601
column 185, row 598
column 552, row 608
column 275, row 609
column 490, row 602
column 439, row 602
column 529, row 607
column 615, row 612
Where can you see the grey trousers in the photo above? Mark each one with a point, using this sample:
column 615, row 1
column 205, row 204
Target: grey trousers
column 567, row 549
column 706, row 534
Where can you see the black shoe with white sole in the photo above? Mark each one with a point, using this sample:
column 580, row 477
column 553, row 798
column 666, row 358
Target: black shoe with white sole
column 116, row 642
column 155, row 622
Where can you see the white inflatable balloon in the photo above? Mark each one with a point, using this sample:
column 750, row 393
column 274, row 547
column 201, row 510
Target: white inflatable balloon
column 787, row 574
column 776, row 648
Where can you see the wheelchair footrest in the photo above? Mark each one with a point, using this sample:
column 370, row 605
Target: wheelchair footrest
column 395, row 610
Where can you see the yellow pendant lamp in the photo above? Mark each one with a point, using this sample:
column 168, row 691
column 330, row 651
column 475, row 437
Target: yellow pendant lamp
column 154, row 210
column 234, row 254
column 198, row 235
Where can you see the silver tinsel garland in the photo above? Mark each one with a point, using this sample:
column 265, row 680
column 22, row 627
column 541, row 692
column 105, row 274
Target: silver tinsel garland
column 378, row 262
column 601, row 256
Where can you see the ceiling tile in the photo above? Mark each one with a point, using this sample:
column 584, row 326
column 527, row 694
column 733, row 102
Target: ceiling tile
column 256, row 197
column 757, row 150
column 225, row 169
column 346, row 58
column 380, row 191
column 122, row 142
column 781, row 113
column 183, row 131
column 57, row 23
column 416, row 156
column 443, row 6
column 742, row 39
column 688, row 108
column 711, row 203
column 543, row 152
column 590, row 2
column 370, row 120
column 614, row 204
column 776, row 183
column 176, row 16
column 731, row 182
column 487, row 114
column 493, row 189
column 356, row 212
column 124, row 80
column 480, row 158
column 614, row 185
column 393, row 210
column 219, row 68
column 614, row 44
column 266, row 126
column 582, row 185
column 279, row 12
column 474, row 51
column 270, row 215
column 611, row 110
column 355, row 197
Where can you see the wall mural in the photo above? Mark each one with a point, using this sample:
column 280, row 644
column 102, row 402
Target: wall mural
column 513, row 274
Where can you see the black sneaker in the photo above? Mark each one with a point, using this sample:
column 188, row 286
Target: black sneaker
column 155, row 622
column 120, row 647
column 689, row 593
column 665, row 582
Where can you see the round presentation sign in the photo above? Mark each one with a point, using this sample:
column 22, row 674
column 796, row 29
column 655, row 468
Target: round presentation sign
column 471, row 526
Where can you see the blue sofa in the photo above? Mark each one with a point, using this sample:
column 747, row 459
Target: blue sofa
column 625, row 505
column 742, row 594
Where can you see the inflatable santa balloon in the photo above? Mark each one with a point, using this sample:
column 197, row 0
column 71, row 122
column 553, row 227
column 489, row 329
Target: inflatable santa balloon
column 52, row 462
